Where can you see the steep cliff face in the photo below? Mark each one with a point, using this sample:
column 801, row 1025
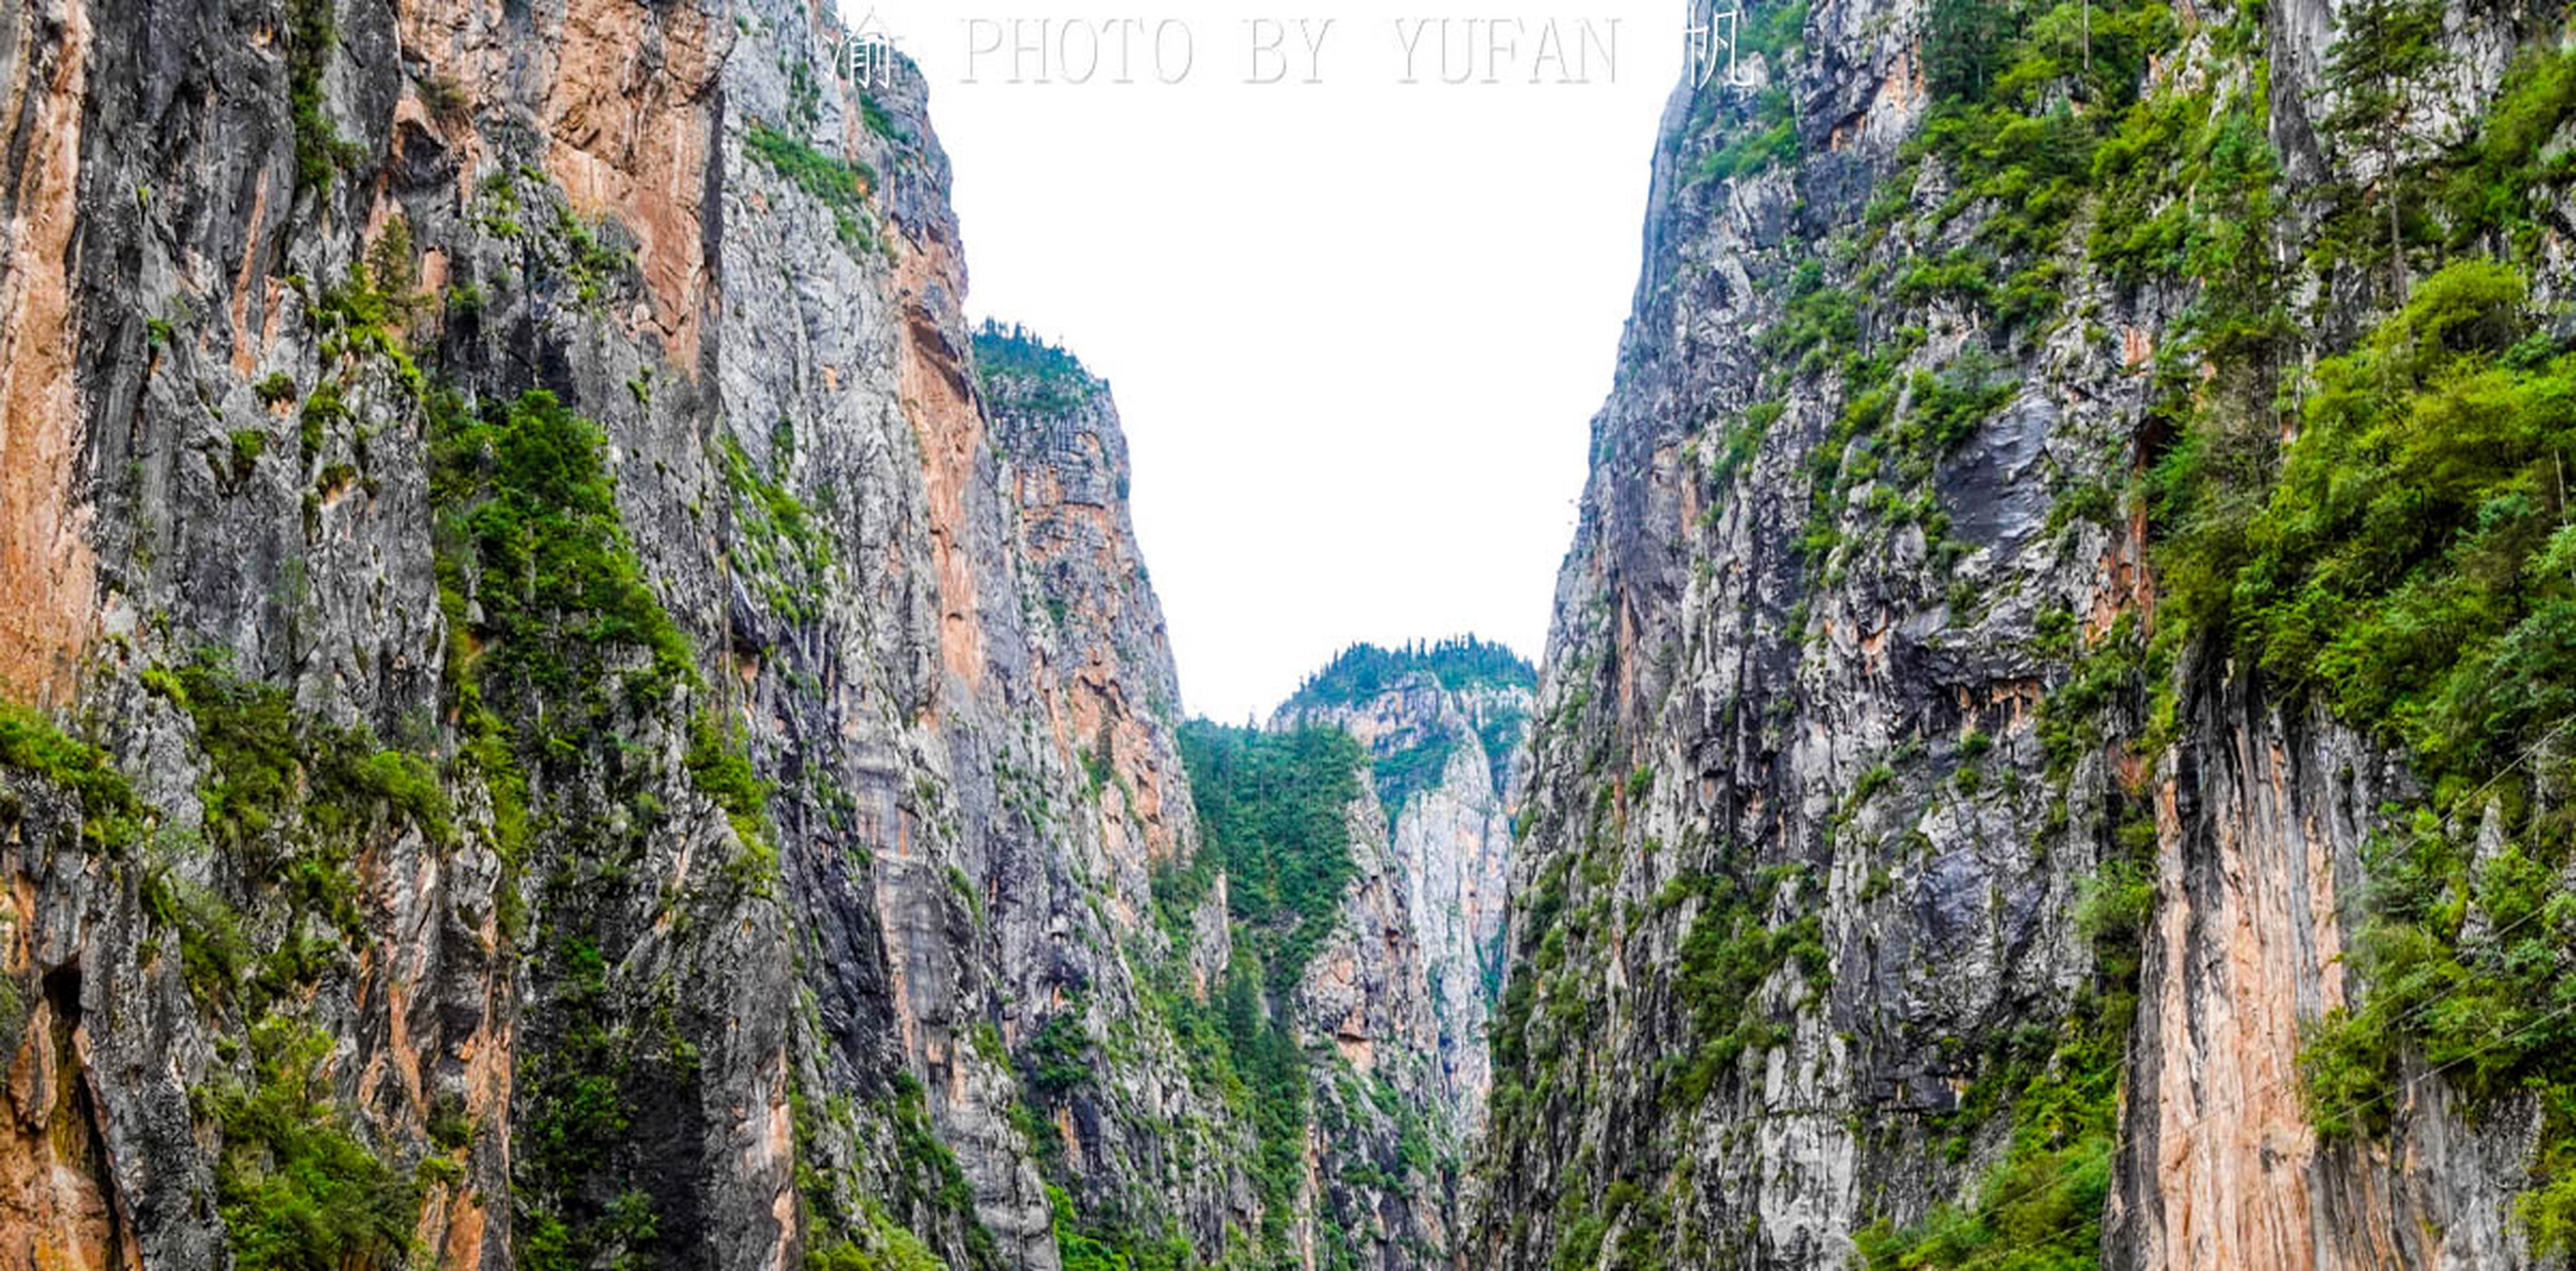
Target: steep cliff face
column 334, row 968
column 568, row 713
column 1382, row 1171
column 1088, row 978
column 1390, row 1006
column 1443, row 730
column 1971, row 796
column 2269, row 863
column 1319, row 1024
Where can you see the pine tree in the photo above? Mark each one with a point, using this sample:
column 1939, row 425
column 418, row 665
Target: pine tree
column 2374, row 74
column 1965, row 40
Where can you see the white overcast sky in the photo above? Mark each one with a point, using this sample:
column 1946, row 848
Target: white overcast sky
column 1357, row 328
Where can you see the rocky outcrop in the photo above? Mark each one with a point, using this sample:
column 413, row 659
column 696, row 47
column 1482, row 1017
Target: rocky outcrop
column 1385, row 1015
column 1383, row 1173
column 1764, row 933
column 1443, row 760
column 45, row 572
column 2263, row 852
column 1061, row 425
column 372, row 918
column 1901, row 877
column 618, row 737
column 1099, row 804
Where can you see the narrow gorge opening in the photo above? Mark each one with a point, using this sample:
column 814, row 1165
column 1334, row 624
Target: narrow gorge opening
column 590, row 706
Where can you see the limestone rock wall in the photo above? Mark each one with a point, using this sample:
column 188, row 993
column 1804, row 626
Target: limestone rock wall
column 1854, row 708
column 651, row 822
column 1452, row 840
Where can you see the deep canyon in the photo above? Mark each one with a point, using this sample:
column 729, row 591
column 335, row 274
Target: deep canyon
column 565, row 708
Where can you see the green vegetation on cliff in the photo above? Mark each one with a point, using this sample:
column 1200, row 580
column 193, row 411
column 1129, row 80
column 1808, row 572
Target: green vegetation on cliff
column 840, row 185
column 1017, row 351
column 2406, row 561
column 1403, row 774
column 1274, row 812
column 2403, row 560
column 311, row 37
column 297, row 1190
column 111, row 817
column 561, row 645
column 1274, row 809
column 2413, row 566
column 2040, row 1207
column 1730, row 953
column 532, row 510
column 1021, row 371
column 2412, row 562
column 1363, row 671
column 1770, row 136
column 2036, row 109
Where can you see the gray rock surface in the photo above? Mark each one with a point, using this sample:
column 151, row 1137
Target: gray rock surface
column 728, row 946
column 1834, row 735
column 711, row 814
column 1452, row 843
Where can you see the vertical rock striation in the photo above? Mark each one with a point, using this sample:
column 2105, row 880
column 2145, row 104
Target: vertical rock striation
column 1442, row 753
column 570, row 711
column 1923, row 868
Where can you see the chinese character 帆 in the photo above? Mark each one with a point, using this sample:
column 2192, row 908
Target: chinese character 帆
column 1708, row 42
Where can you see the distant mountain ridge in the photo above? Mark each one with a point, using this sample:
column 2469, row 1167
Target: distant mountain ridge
column 1444, row 727
column 1363, row 670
